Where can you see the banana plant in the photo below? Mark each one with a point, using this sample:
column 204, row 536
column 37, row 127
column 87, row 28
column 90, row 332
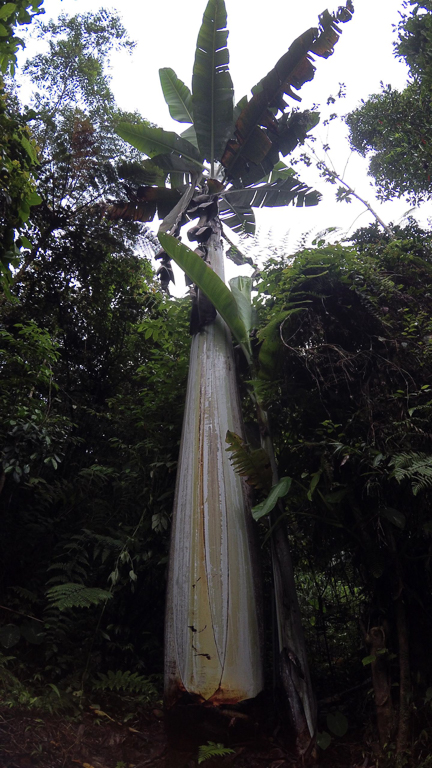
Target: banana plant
column 224, row 164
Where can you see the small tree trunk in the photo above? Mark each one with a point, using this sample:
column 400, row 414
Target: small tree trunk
column 376, row 641
column 213, row 646
column 293, row 662
column 403, row 736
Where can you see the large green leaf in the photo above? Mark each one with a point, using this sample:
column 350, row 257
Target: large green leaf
column 172, row 162
column 209, row 282
column 277, row 492
column 177, row 96
column 273, row 194
column 156, row 141
column 240, row 218
column 190, row 135
column 212, row 86
column 259, row 135
column 241, row 288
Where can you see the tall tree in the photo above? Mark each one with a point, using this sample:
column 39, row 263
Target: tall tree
column 393, row 127
column 229, row 159
column 17, row 148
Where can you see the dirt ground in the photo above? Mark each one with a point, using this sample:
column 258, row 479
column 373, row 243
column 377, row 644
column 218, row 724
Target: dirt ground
column 96, row 740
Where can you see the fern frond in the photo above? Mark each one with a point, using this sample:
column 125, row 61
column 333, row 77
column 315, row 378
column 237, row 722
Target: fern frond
column 72, row 595
column 414, row 467
column 211, row 749
column 127, row 681
column 254, row 465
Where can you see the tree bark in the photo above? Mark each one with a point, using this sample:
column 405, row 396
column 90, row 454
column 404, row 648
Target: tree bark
column 376, row 640
column 403, row 736
column 213, row 647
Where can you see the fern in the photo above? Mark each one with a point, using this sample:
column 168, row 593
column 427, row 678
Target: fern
column 414, row 467
column 254, row 465
column 130, row 682
column 211, row 749
column 73, row 595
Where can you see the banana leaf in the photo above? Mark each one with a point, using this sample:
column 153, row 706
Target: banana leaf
column 156, row 141
column 273, row 194
column 145, row 172
column 210, row 283
column 177, row 95
column 149, row 201
column 190, row 135
column 212, row 87
column 172, row 162
column 238, row 218
column 256, row 128
column 241, row 288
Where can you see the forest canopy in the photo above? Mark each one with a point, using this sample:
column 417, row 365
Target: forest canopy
column 94, row 360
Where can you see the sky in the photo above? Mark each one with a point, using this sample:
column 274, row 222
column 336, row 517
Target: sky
column 260, row 33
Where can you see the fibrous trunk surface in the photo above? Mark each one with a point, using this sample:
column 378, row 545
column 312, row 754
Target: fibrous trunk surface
column 212, row 637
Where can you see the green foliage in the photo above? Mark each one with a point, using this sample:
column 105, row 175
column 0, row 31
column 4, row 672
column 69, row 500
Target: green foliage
column 212, row 88
column 210, row 283
column 242, row 145
column 277, row 492
column 350, row 411
column 395, row 126
column 252, row 464
column 13, row 15
column 72, row 71
column 124, row 680
column 415, row 39
column 67, row 595
column 414, row 467
column 93, row 363
column 211, row 749
column 18, row 154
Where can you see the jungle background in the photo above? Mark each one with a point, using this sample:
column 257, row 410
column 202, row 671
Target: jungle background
column 94, row 360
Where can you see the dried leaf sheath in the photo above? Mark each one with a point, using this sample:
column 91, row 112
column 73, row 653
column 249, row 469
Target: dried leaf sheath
column 212, row 643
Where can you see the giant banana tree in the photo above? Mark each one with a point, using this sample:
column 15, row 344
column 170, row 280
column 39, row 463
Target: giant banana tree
column 226, row 163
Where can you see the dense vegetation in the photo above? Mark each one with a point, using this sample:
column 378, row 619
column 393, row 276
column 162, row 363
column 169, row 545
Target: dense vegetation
column 93, row 361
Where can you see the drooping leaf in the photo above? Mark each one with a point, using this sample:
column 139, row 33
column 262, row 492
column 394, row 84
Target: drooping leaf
column 209, row 282
column 258, row 135
column 143, row 208
column 156, row 141
column 277, row 492
column 254, row 465
column 281, row 171
column 172, row 219
column 241, row 288
column 274, row 194
column 241, row 219
column 212, row 86
column 237, row 257
column 177, row 95
column 145, row 172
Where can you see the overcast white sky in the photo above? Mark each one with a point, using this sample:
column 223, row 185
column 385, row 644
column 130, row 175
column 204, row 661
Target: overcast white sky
column 260, row 32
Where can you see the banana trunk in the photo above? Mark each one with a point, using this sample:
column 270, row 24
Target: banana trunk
column 213, row 630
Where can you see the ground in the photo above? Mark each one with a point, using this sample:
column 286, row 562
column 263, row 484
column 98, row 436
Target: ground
column 95, row 739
